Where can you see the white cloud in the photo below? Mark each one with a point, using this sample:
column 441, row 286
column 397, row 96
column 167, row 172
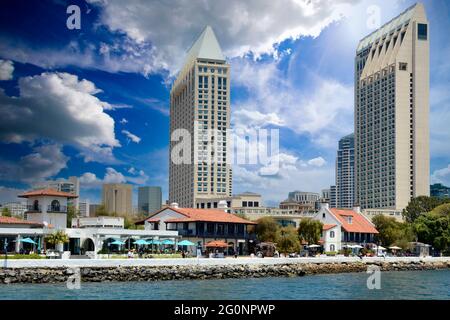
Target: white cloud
column 317, row 162
column 254, row 25
column 90, row 181
column 131, row 136
column 324, row 112
column 45, row 161
column 441, row 176
column 6, row 69
column 60, row 107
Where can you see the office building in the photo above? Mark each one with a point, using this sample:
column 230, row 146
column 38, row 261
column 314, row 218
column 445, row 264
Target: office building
column 200, row 105
column 84, row 207
column 345, row 172
column 149, row 199
column 117, row 198
column 391, row 112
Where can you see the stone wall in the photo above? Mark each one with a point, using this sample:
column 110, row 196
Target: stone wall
column 177, row 272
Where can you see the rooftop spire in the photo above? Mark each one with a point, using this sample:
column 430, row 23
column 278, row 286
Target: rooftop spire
column 206, row 47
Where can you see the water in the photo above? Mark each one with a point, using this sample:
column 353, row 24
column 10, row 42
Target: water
column 394, row 285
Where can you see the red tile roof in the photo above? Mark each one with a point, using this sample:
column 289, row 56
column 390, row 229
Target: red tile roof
column 359, row 222
column 206, row 215
column 328, row 226
column 47, row 192
column 153, row 220
column 12, row 220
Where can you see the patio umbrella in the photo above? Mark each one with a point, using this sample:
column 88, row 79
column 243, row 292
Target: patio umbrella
column 358, row 246
column 186, row 243
column 395, row 248
column 314, row 246
column 27, row 240
column 381, row 248
column 216, row 244
column 118, row 242
column 141, row 242
column 168, row 241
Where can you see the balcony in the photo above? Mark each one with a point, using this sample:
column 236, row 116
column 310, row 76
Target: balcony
column 34, row 208
column 57, row 209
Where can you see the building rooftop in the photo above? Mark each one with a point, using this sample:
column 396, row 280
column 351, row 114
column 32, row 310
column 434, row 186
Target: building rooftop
column 359, row 222
column 13, row 220
column 47, row 192
column 205, row 47
column 206, row 215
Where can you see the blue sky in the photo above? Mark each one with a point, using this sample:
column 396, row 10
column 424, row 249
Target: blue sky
column 93, row 102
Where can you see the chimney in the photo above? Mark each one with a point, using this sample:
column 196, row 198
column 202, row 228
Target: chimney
column 174, row 205
column 222, row 205
column 356, row 208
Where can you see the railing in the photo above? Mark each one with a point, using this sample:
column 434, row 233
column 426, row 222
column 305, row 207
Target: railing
column 33, row 208
column 62, row 209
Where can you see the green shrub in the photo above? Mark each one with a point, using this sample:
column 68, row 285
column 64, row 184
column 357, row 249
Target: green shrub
column 23, row 256
column 330, row 253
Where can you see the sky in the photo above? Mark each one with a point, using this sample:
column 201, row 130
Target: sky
column 93, row 102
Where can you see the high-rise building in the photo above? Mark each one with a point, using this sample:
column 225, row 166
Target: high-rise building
column 200, row 105
column 345, row 172
column 333, row 199
column 391, row 112
column 84, row 208
column 149, row 199
column 117, row 198
column 71, row 185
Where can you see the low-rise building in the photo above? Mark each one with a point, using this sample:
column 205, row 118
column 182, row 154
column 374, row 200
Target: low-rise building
column 201, row 226
column 98, row 222
column 242, row 200
column 17, row 209
column 371, row 213
column 343, row 227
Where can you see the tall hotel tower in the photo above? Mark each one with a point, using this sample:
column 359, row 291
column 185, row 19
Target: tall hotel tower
column 345, row 172
column 391, row 112
column 200, row 104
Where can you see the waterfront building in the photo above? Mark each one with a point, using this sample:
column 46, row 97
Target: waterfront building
column 98, row 222
column 16, row 209
column 237, row 201
column 84, row 207
column 117, row 198
column 70, row 185
column 200, row 105
column 149, row 199
column 13, row 229
column 48, row 206
column 345, row 172
column 439, row 190
column 201, row 226
column 392, row 112
column 343, row 227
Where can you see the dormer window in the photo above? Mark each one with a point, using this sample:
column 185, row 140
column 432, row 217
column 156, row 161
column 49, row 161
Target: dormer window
column 349, row 219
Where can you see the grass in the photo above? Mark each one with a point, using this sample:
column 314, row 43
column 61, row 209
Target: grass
column 23, row 256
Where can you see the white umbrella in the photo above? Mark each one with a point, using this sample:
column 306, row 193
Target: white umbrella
column 358, row 246
column 314, row 246
column 381, row 248
column 348, row 246
column 395, row 248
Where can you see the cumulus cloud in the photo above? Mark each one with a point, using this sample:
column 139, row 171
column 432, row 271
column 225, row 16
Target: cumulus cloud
column 60, row 107
column 6, row 69
column 324, row 113
column 441, row 176
column 131, row 137
column 317, row 162
column 90, row 180
column 254, row 26
column 45, row 161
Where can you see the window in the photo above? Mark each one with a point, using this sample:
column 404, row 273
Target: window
column 323, row 215
column 332, row 235
column 422, row 31
column 349, row 219
column 402, row 66
column 55, row 206
column 332, row 247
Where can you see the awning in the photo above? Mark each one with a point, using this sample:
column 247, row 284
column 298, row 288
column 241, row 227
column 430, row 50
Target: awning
column 216, row 244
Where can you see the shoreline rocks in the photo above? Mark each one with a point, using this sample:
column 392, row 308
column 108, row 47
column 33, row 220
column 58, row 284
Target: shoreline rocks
column 202, row 272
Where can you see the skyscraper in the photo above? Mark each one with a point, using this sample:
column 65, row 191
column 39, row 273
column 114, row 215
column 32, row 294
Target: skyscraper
column 200, row 105
column 345, row 172
column 117, row 198
column 391, row 112
column 149, row 199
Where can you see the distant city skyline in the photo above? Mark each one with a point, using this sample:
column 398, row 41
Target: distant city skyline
column 291, row 75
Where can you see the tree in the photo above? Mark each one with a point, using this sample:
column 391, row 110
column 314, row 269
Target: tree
column 310, row 230
column 6, row 212
column 101, row 211
column 267, row 229
column 71, row 213
column 421, row 205
column 288, row 241
column 434, row 229
column 392, row 232
column 58, row 237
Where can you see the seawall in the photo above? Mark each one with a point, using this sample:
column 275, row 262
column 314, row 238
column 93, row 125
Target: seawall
column 55, row 271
